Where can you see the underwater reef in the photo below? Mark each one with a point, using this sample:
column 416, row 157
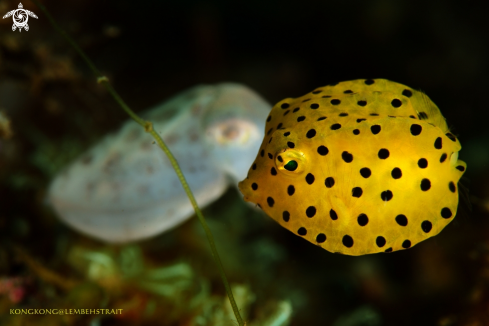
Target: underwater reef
column 52, row 112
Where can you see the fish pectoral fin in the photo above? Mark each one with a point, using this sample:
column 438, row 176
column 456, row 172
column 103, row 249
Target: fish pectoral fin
column 340, row 207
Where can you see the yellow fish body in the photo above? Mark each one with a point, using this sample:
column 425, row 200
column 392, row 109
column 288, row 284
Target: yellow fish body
column 359, row 167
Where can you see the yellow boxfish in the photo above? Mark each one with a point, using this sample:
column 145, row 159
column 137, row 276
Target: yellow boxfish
column 358, row 167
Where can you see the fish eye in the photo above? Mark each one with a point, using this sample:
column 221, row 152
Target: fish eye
column 291, row 165
column 291, row 162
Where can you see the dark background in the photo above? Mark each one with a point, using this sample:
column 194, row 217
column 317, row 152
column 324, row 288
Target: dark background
column 151, row 50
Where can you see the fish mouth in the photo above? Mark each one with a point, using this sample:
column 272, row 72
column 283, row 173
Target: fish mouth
column 243, row 187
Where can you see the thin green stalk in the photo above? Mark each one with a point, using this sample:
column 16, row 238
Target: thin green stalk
column 148, row 127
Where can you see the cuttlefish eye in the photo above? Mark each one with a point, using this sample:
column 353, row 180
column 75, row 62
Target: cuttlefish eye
column 291, row 165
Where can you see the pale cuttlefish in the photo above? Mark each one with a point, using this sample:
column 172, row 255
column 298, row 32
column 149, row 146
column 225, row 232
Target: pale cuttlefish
column 124, row 188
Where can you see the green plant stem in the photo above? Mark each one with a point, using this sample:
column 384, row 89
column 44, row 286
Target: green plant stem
column 148, row 127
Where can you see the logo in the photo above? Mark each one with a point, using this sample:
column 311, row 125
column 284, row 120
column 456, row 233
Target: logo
column 20, row 16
